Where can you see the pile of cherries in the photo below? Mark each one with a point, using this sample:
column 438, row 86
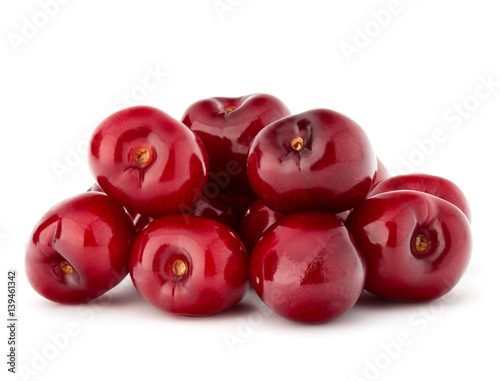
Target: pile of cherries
column 242, row 190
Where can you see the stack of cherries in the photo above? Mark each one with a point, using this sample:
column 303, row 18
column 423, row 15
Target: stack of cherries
column 242, row 190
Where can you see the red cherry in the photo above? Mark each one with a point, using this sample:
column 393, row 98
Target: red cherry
column 319, row 159
column 434, row 185
column 416, row 246
column 306, row 268
column 189, row 265
column 79, row 249
column 227, row 126
column 148, row 162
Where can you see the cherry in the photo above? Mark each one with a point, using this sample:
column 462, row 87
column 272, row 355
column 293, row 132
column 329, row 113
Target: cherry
column 306, row 268
column 79, row 249
column 227, row 126
column 189, row 265
column 416, row 246
column 148, row 162
column 319, row 159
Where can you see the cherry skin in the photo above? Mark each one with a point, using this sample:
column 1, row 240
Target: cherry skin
column 97, row 188
column 434, row 185
column 227, row 126
column 306, row 268
column 79, row 249
column 319, row 159
column 148, row 162
column 257, row 219
column 214, row 208
column 189, row 265
column 416, row 246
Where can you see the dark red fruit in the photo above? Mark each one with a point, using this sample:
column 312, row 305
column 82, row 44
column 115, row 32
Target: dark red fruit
column 189, row 265
column 416, row 246
column 79, row 249
column 227, row 127
column 148, row 162
column 306, row 268
column 319, row 159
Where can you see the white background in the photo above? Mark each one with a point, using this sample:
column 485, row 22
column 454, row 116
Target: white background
column 403, row 84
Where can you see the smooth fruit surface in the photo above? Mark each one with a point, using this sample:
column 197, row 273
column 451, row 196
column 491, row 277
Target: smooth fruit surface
column 306, row 268
column 319, row 159
column 79, row 249
column 189, row 265
column 416, row 246
column 434, row 185
column 148, row 161
column 227, row 127
column 97, row 188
